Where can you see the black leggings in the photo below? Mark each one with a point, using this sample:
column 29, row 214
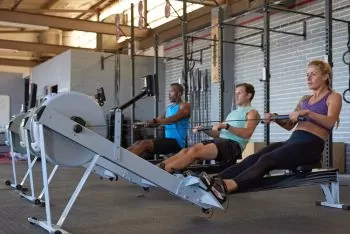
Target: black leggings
column 302, row 148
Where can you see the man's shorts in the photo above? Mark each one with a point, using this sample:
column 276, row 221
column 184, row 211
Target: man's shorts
column 165, row 146
column 228, row 151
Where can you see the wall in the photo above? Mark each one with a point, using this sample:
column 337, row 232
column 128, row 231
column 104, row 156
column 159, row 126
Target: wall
column 25, row 71
column 289, row 56
column 56, row 71
column 87, row 75
column 12, row 84
column 81, row 71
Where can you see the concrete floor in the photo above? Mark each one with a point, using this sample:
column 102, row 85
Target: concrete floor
column 116, row 207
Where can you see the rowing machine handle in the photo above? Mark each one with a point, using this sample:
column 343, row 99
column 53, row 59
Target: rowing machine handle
column 139, row 125
column 283, row 117
column 204, row 129
column 208, row 129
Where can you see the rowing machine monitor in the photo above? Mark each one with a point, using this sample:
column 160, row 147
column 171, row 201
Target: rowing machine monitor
column 32, row 95
column 146, row 90
column 148, row 85
column 100, row 96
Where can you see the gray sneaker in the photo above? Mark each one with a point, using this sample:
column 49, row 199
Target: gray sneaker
column 215, row 185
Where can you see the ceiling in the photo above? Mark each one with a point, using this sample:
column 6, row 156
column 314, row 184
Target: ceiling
column 50, row 6
column 32, row 31
column 21, row 42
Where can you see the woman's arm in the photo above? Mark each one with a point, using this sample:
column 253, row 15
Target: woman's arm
column 287, row 123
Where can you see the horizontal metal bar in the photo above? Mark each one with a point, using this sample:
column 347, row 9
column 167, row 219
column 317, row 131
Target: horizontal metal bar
column 161, row 57
column 261, row 29
column 194, row 51
column 245, row 44
column 280, row 26
column 243, row 26
column 308, row 14
column 170, row 58
column 242, row 15
column 288, row 33
column 229, row 42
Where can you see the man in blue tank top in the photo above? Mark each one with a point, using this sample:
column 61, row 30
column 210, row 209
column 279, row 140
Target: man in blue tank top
column 229, row 138
column 175, row 121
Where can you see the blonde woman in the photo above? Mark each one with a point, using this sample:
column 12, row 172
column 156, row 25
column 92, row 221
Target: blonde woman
column 305, row 145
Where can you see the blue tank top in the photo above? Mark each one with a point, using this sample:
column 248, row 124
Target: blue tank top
column 238, row 114
column 178, row 130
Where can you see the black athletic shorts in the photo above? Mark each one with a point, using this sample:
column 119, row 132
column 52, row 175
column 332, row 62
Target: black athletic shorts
column 165, row 146
column 228, row 151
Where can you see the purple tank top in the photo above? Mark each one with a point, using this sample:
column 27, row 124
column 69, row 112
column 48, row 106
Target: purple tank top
column 319, row 107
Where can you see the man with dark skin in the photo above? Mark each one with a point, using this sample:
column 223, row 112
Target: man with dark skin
column 175, row 121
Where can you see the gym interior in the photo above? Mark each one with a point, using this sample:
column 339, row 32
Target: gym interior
column 81, row 81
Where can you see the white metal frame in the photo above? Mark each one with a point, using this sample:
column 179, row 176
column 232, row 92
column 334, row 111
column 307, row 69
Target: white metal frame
column 113, row 158
column 331, row 193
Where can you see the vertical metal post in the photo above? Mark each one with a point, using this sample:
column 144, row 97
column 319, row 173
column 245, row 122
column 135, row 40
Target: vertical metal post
column 117, row 130
column 184, row 38
column 329, row 54
column 266, row 43
column 98, row 35
column 132, row 51
column 30, row 166
column 13, row 160
column 145, row 12
column 221, row 62
column 44, row 173
column 116, row 78
column 156, row 85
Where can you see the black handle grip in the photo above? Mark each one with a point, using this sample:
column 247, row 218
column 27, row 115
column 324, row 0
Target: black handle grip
column 204, row 129
column 139, row 125
column 283, row 117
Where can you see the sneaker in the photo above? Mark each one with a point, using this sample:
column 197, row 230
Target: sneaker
column 219, row 189
column 216, row 186
column 161, row 166
column 207, row 179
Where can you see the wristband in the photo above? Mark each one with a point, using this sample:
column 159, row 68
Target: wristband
column 227, row 126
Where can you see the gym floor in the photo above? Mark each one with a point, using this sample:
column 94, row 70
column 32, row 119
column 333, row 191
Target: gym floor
column 119, row 207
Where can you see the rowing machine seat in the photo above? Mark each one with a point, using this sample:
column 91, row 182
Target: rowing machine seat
column 306, row 168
